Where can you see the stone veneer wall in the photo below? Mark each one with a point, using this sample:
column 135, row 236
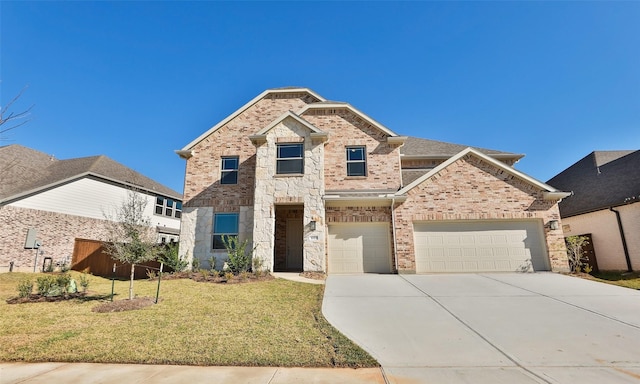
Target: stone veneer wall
column 471, row 189
column 56, row 231
column 196, row 233
column 347, row 129
column 203, row 193
column 307, row 189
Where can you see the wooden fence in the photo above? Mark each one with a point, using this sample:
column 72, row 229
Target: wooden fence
column 91, row 256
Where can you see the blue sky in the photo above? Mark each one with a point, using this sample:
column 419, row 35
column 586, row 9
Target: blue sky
column 137, row 80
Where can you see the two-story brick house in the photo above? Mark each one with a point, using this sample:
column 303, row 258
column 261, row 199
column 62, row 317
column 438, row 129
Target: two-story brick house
column 318, row 185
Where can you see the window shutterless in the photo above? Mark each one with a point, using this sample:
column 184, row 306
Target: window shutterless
column 229, row 173
column 290, row 159
column 356, row 161
column 224, row 224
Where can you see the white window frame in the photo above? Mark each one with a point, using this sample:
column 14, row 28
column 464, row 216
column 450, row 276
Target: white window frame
column 279, row 158
column 363, row 161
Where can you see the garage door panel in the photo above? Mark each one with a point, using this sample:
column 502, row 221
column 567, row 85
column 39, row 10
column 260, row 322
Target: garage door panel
column 479, row 246
column 359, row 247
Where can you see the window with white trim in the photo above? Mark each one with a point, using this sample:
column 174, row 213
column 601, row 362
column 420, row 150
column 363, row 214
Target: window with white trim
column 356, row 161
column 168, row 207
column 290, row 159
column 224, row 224
column 229, row 173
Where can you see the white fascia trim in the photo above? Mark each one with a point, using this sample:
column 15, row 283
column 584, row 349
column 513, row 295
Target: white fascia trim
column 82, row 176
column 285, row 115
column 352, row 109
column 244, row 107
column 490, row 160
column 556, row 195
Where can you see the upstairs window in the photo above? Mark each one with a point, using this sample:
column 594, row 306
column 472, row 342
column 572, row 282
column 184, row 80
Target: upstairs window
column 356, row 161
column 224, row 224
column 290, row 159
column 168, row 207
column 229, row 170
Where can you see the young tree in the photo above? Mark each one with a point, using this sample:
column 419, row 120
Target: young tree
column 130, row 237
column 575, row 253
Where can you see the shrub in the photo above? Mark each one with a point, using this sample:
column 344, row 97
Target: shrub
column 170, row 256
column 53, row 285
column 25, row 287
column 195, row 264
column 239, row 260
column 84, row 282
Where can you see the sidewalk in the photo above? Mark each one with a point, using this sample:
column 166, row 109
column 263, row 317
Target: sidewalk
column 86, row 373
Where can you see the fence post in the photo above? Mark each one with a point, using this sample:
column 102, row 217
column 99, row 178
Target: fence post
column 159, row 278
column 113, row 280
column 11, row 266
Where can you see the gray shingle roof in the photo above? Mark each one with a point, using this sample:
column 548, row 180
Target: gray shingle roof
column 600, row 180
column 415, row 146
column 24, row 169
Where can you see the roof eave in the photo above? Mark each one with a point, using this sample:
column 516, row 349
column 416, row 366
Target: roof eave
column 245, row 107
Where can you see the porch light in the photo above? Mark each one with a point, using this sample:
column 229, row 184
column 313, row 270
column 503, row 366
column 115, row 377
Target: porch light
column 553, row 224
column 312, row 225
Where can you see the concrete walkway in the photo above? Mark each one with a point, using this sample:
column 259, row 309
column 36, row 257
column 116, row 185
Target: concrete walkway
column 69, row 373
column 490, row 328
column 295, row 276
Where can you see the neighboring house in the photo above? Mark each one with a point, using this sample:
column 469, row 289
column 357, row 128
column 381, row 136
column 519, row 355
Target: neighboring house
column 317, row 185
column 606, row 186
column 54, row 202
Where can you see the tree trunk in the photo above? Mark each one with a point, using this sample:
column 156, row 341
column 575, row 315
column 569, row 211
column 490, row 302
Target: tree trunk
column 133, row 269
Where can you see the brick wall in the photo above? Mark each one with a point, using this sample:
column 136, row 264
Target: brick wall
column 57, row 233
column 347, row 129
column 471, row 189
column 202, row 181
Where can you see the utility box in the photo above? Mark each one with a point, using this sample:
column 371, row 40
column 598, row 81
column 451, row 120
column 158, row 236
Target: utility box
column 32, row 239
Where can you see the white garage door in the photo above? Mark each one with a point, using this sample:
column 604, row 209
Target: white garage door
column 359, row 247
column 480, row 246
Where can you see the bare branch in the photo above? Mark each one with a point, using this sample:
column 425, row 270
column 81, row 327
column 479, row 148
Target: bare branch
column 13, row 116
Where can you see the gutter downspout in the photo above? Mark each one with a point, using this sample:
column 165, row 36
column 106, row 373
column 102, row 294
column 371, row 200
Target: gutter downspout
column 624, row 240
column 393, row 229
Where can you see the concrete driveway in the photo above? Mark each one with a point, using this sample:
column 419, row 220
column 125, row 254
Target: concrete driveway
column 490, row 328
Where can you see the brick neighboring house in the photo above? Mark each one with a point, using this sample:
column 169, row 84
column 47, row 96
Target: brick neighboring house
column 55, row 202
column 606, row 187
column 317, row 185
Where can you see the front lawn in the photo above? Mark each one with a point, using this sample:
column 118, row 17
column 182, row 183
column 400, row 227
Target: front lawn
column 623, row 279
column 270, row 323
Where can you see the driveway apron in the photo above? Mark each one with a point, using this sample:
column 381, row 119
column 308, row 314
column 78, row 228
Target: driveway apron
column 490, row 328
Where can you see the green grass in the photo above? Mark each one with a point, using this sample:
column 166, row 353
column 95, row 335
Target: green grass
column 623, row 279
column 271, row 323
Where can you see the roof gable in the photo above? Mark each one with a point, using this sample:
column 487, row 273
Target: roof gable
column 245, row 107
column 57, row 172
column 261, row 135
column 349, row 107
column 550, row 192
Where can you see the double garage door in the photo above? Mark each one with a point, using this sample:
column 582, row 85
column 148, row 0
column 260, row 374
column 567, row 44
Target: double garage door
column 479, row 246
column 359, row 247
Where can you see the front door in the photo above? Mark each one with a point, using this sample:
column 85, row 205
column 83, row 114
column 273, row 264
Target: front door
column 294, row 245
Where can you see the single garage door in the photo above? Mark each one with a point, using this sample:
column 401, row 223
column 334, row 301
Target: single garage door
column 480, row 246
column 359, row 247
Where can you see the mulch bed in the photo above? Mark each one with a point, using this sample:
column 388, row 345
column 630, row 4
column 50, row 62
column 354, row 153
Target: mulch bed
column 42, row 299
column 213, row 277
